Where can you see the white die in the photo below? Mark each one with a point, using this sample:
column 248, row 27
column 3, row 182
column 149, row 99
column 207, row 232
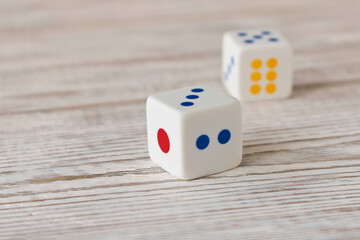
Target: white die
column 257, row 65
column 194, row 131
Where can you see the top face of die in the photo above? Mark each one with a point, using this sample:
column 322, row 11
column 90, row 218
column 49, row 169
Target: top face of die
column 193, row 98
column 257, row 38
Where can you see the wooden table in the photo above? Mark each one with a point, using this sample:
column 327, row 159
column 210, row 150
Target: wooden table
column 74, row 164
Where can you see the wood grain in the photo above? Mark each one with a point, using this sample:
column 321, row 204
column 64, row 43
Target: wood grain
column 74, row 77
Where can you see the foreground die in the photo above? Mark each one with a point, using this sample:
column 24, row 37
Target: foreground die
column 194, row 131
column 257, row 65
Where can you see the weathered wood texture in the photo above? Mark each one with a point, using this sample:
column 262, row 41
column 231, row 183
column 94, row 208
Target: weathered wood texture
column 74, row 77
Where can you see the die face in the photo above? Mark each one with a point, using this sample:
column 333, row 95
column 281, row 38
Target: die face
column 173, row 131
column 194, row 98
column 262, row 65
column 257, row 38
column 230, row 66
column 212, row 140
column 265, row 74
column 164, row 136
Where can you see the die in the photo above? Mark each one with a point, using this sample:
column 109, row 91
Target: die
column 194, row 131
column 256, row 65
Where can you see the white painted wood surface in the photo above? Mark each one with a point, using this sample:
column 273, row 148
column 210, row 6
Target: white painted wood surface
column 74, row 77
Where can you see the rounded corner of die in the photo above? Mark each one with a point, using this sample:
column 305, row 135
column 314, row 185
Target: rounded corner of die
column 224, row 37
column 237, row 104
column 239, row 96
column 149, row 100
column 184, row 177
column 227, row 34
column 184, row 115
column 239, row 160
column 288, row 93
